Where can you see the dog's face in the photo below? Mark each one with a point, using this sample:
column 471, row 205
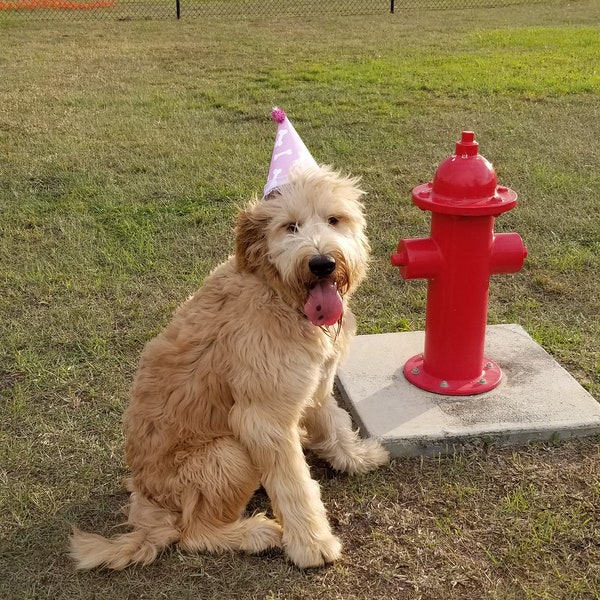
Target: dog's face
column 308, row 241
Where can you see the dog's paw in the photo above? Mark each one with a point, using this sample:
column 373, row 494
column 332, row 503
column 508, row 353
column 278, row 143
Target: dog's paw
column 262, row 534
column 306, row 554
column 367, row 454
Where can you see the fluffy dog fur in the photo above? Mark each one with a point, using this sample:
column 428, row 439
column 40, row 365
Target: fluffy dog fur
column 227, row 396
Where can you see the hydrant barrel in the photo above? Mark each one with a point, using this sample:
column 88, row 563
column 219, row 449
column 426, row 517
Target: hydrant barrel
column 457, row 298
column 458, row 259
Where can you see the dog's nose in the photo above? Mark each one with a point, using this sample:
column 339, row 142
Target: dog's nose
column 322, row 265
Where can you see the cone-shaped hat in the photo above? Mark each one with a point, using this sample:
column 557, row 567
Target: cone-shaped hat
column 289, row 150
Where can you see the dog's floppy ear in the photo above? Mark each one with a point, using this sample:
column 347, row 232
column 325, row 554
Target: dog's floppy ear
column 250, row 241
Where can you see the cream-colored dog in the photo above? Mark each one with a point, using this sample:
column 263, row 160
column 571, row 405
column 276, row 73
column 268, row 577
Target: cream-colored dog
column 227, row 396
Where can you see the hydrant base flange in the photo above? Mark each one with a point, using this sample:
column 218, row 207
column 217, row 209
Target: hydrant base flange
column 416, row 372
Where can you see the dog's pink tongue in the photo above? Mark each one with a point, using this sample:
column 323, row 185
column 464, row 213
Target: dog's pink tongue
column 324, row 305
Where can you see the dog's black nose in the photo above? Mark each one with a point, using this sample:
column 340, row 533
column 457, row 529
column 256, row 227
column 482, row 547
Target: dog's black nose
column 322, row 265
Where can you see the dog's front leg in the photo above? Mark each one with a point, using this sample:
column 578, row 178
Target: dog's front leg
column 330, row 435
column 274, row 444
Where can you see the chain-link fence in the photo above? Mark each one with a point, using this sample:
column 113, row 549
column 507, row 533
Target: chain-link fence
column 181, row 9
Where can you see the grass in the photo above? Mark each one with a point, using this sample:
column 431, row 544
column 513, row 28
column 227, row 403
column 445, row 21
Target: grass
column 125, row 149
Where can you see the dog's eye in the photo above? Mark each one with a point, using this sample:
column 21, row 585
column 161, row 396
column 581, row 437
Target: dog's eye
column 292, row 227
column 333, row 221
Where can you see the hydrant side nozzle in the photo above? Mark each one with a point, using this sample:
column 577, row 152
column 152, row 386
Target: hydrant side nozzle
column 508, row 253
column 418, row 258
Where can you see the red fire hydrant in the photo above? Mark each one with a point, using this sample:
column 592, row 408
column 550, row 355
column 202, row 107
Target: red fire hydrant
column 458, row 259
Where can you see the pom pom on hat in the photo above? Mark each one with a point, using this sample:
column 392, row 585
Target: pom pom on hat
column 289, row 151
column 278, row 114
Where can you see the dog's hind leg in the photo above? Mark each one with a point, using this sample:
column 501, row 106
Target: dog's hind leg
column 251, row 535
column 330, row 435
column 219, row 481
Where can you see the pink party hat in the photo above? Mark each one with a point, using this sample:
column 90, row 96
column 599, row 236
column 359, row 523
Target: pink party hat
column 289, row 151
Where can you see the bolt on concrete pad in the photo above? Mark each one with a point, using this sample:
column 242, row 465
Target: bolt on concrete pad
column 536, row 399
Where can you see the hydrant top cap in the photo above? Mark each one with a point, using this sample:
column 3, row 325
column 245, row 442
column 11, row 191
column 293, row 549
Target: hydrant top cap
column 467, row 144
column 465, row 183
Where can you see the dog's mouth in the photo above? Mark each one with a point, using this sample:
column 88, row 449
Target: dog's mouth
column 324, row 305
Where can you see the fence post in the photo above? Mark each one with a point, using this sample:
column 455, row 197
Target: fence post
column 178, row 6
column 392, row 6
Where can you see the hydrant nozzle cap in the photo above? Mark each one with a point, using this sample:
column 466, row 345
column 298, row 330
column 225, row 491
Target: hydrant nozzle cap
column 467, row 144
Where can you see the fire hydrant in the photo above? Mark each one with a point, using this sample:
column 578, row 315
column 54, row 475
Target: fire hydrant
column 458, row 259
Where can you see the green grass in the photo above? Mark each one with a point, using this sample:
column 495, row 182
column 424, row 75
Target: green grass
column 125, row 149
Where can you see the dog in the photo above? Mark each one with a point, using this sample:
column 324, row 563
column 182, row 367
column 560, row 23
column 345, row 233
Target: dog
column 226, row 398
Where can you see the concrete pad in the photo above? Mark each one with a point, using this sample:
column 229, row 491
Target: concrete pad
column 536, row 399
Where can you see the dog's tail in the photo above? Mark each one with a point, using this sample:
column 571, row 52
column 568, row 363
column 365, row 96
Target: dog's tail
column 154, row 529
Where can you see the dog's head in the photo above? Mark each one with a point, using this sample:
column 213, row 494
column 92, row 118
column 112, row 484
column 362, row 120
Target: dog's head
column 307, row 240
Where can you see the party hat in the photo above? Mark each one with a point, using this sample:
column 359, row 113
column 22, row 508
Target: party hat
column 289, row 151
